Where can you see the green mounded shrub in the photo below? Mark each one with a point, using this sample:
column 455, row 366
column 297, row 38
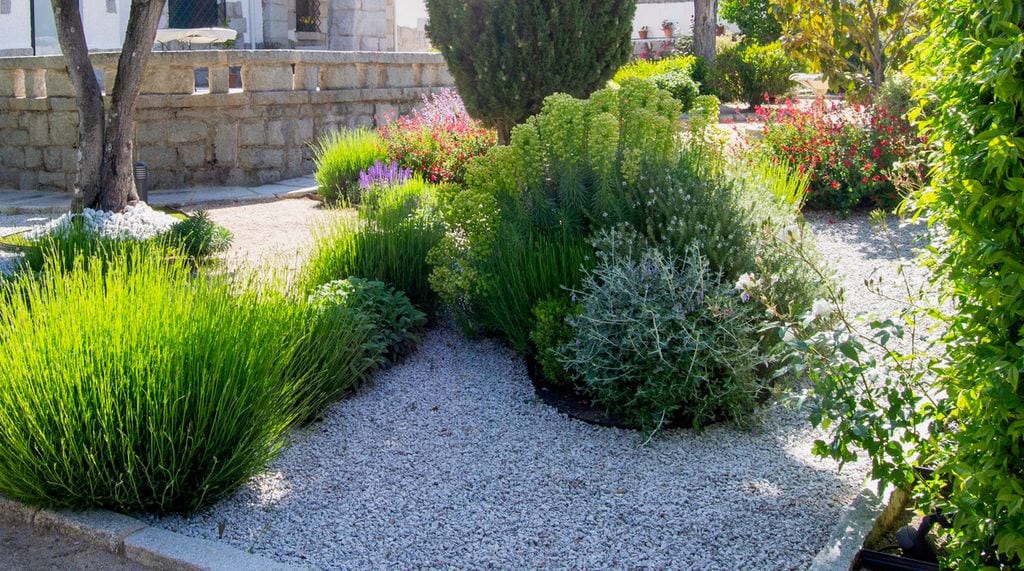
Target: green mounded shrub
column 395, row 322
column 896, row 94
column 659, row 339
column 682, row 87
column 135, row 387
column 339, row 157
column 389, row 242
column 198, row 237
column 754, row 18
column 751, row 72
column 575, row 166
column 507, row 57
column 334, row 351
column 551, row 333
column 647, row 68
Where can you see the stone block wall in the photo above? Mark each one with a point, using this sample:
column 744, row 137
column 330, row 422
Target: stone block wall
column 253, row 135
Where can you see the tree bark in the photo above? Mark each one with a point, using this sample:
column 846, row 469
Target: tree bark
column 105, row 141
column 705, row 22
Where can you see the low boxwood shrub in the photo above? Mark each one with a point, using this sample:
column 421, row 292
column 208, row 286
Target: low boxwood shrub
column 395, row 322
column 339, row 157
column 134, row 387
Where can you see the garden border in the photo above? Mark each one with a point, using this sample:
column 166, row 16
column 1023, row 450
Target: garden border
column 134, row 539
column 865, row 515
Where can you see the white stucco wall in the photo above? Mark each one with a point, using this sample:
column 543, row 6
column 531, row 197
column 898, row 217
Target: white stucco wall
column 103, row 29
column 15, row 32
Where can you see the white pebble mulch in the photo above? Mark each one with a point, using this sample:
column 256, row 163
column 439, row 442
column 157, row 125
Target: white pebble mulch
column 138, row 222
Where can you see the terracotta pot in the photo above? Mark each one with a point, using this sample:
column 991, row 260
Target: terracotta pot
column 643, row 34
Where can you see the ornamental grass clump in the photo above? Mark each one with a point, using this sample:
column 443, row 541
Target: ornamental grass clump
column 389, row 241
column 339, row 157
column 135, row 387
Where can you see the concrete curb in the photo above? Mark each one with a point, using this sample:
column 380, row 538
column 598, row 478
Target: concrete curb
column 133, row 539
column 18, row 202
column 866, row 515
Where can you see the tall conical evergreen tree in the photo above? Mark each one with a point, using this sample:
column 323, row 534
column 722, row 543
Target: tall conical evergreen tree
column 508, row 55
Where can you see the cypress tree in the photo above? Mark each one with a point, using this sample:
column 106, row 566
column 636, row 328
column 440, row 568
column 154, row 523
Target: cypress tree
column 508, row 55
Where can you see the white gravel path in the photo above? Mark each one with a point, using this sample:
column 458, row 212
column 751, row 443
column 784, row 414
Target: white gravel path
column 448, row 460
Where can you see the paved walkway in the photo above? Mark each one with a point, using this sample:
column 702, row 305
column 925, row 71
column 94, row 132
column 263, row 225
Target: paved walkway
column 41, row 202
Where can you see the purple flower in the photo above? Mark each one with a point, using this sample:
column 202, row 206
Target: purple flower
column 385, row 175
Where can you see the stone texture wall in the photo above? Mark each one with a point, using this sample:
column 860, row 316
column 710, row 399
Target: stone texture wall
column 362, row 25
column 253, row 135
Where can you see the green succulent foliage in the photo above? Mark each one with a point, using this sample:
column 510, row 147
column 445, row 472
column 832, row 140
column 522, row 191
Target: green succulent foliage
column 973, row 62
column 659, row 339
column 198, row 237
column 508, row 55
column 339, row 157
column 396, row 323
column 578, row 165
column 754, row 18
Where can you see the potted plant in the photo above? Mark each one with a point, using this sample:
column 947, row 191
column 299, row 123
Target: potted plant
column 643, row 32
column 667, row 26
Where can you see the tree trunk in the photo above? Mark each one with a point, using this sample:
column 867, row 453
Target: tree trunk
column 705, row 24
column 105, row 160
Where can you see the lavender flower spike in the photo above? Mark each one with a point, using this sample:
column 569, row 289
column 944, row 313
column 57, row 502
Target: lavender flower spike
column 383, row 175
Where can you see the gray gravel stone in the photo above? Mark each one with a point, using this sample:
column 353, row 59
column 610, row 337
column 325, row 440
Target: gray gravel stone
column 449, row 460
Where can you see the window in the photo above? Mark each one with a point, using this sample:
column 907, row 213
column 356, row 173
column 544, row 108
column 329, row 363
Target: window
column 195, row 13
column 307, row 15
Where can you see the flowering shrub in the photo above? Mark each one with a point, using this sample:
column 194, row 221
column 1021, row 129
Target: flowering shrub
column 848, row 151
column 437, row 139
column 382, row 175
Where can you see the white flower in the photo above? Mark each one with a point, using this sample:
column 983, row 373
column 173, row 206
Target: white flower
column 821, row 309
column 745, row 282
column 789, row 235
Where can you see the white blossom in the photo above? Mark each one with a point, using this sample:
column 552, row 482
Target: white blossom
column 821, row 309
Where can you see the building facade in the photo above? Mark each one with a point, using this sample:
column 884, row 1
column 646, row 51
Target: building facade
column 27, row 26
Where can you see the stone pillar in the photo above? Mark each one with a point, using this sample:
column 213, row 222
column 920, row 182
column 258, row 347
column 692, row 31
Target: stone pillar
column 276, row 22
column 362, row 25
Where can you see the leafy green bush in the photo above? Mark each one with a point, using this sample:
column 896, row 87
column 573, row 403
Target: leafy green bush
column 647, row 68
column 896, row 94
column 751, row 72
column 680, row 85
column 137, row 388
column 336, row 349
column 198, row 237
column 754, row 18
column 550, row 334
column 339, row 157
column 395, row 322
column 659, row 340
column 389, row 242
column 577, row 165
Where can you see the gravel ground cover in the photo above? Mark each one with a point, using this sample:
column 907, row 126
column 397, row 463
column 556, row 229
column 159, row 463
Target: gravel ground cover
column 449, row 460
